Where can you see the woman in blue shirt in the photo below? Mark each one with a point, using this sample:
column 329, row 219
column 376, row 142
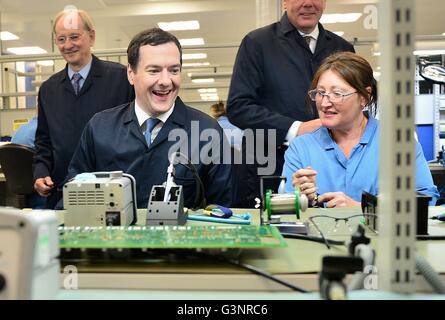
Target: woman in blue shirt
column 340, row 159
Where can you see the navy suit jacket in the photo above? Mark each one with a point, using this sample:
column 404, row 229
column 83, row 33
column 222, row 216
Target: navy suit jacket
column 113, row 140
column 273, row 70
column 63, row 115
column 272, row 74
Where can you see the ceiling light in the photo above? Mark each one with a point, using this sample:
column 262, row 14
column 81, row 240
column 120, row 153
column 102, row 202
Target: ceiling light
column 208, row 80
column 209, row 94
column 208, row 90
column 190, row 56
column 339, row 33
column 428, row 52
column 46, row 63
column 6, row 35
column 179, row 25
column 210, row 98
column 191, row 42
column 340, row 17
column 26, row 50
column 195, row 64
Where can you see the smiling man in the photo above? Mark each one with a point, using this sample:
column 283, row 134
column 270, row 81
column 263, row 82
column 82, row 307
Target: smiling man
column 272, row 73
column 138, row 137
column 69, row 98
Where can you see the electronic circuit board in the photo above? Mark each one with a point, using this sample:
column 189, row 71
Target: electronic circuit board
column 174, row 237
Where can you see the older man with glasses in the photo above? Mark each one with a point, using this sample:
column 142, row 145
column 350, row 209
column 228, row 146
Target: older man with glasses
column 69, row 98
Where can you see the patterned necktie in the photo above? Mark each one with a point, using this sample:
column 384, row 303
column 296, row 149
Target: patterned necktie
column 308, row 41
column 75, row 80
column 150, row 123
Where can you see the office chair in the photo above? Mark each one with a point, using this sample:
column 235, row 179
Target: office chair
column 16, row 164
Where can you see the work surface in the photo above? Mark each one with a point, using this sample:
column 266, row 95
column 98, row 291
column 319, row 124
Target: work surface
column 176, row 271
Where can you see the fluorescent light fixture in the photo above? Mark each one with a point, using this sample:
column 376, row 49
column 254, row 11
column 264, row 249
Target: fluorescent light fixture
column 6, row 35
column 340, row 17
column 209, row 94
column 208, row 90
column 191, row 42
column 46, row 63
column 208, row 80
column 195, row 64
column 26, row 50
column 428, row 52
column 190, row 56
column 443, row 34
column 210, row 98
column 179, row 25
column 419, row 52
column 377, row 54
column 339, row 33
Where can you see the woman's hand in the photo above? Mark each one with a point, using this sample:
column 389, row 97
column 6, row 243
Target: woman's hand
column 304, row 179
column 337, row 199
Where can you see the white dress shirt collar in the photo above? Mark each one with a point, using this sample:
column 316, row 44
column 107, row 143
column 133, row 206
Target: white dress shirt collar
column 142, row 116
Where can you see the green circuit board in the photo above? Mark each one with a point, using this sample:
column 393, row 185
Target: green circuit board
column 170, row 237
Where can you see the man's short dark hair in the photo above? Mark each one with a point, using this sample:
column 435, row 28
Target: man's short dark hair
column 153, row 37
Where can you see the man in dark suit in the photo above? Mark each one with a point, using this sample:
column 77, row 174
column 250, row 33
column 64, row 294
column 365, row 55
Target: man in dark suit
column 139, row 137
column 272, row 73
column 69, row 98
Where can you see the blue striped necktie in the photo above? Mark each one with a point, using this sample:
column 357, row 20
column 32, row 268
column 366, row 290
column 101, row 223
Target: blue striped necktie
column 75, row 80
column 150, row 123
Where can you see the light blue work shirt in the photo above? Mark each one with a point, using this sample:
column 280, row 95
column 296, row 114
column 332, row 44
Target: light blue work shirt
column 26, row 133
column 83, row 72
column 351, row 176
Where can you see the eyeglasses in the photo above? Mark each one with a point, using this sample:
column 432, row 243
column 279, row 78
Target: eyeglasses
column 334, row 97
column 72, row 37
column 335, row 226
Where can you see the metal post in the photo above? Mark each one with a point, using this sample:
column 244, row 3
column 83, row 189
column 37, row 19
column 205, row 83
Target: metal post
column 397, row 199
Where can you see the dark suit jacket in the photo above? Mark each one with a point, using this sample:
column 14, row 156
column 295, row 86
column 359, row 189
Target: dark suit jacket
column 271, row 77
column 113, row 140
column 272, row 74
column 63, row 115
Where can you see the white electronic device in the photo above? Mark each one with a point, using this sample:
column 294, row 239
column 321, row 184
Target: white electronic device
column 29, row 250
column 100, row 199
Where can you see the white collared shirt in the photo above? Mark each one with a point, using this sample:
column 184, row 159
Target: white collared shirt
column 142, row 116
column 314, row 35
column 292, row 132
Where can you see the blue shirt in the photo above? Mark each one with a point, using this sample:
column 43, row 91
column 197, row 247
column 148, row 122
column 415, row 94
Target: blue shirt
column 233, row 133
column 83, row 72
column 351, row 176
column 26, row 133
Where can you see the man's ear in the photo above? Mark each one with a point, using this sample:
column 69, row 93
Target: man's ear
column 92, row 35
column 130, row 75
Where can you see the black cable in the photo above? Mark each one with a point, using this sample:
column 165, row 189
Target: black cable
column 264, row 274
column 250, row 268
column 314, row 239
column 200, row 201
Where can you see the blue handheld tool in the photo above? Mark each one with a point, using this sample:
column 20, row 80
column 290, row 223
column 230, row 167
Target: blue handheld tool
column 236, row 218
column 218, row 211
